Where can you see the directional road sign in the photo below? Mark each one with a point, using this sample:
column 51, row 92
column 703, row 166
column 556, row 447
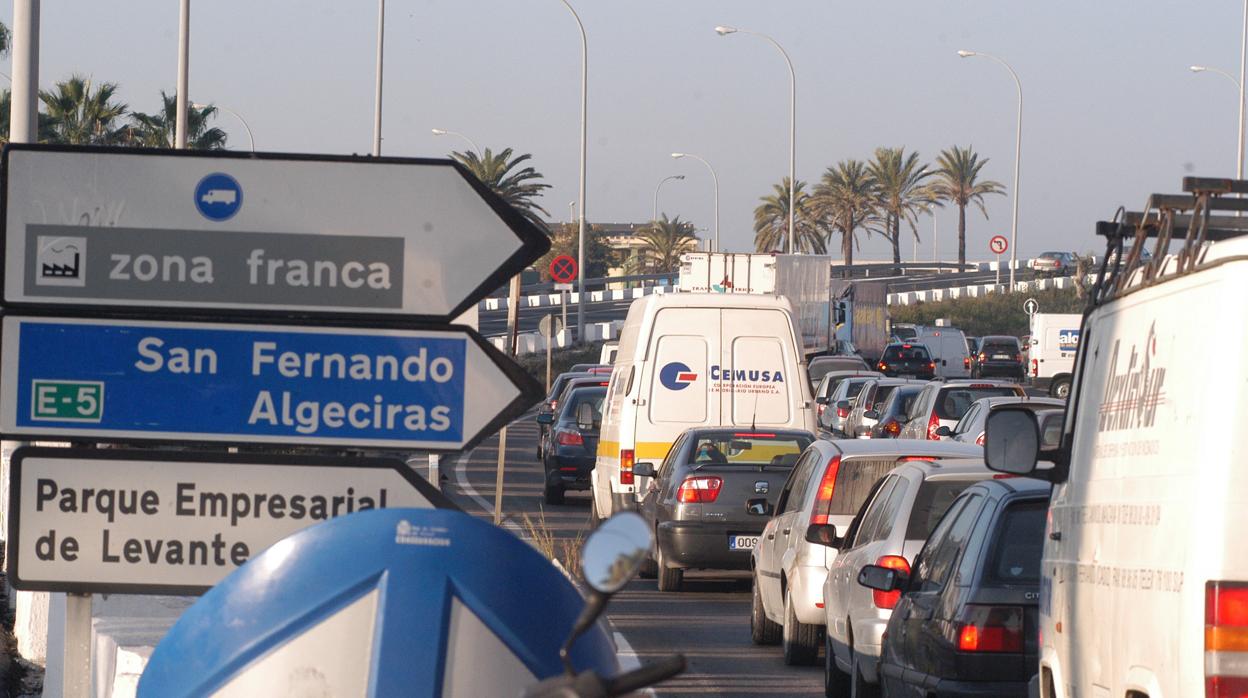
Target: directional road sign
column 254, row 233
column 1030, row 306
column 124, row 380
column 147, row 522
column 563, row 269
column 998, row 244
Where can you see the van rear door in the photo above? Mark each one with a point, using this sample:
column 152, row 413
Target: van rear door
column 753, row 379
column 680, row 362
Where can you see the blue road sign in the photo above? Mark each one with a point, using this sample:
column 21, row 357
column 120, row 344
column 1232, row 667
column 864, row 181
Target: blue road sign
column 394, row 602
column 436, row 389
column 218, row 196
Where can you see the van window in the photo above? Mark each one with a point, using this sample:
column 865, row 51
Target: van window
column 754, row 382
column 679, row 381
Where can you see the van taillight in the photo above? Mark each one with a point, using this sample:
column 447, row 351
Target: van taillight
column 933, row 423
column 827, row 487
column 699, row 490
column 1035, row 367
column 889, row 599
column 989, row 629
column 569, row 438
column 1226, row 639
column 626, row 466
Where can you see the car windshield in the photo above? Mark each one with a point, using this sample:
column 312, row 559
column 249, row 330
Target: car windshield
column 1015, row 556
column 933, row 499
column 820, row 368
column 905, row 332
column 906, row 352
column 748, row 448
column 853, row 387
column 881, row 396
column 1050, row 427
column 593, row 396
column 903, row 399
column 954, row 402
column 561, row 381
column 1000, row 347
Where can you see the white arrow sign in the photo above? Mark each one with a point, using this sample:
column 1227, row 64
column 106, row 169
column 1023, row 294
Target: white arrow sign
column 123, row 380
column 146, row 522
column 254, row 232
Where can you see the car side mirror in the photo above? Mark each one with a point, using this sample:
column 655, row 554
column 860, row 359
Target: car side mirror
column 871, row 414
column 823, row 534
column 884, row 579
column 842, row 405
column 645, row 470
column 944, row 431
column 759, row 507
column 821, row 400
column 1011, row 441
column 585, row 417
column 546, row 418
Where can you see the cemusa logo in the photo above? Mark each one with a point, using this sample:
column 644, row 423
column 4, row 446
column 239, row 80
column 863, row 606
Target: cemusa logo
column 1068, row 340
column 1133, row 395
column 676, row 376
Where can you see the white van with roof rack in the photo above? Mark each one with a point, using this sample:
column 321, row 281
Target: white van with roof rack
column 1144, row 588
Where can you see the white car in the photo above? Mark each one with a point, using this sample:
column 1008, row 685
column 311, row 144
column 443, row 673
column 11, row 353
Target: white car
column 970, row 429
column 827, row 485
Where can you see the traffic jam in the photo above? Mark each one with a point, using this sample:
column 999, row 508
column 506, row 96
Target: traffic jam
column 935, row 514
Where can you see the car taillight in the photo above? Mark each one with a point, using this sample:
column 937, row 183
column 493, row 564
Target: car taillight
column 979, row 441
column 933, row 423
column 1035, row 367
column 842, row 412
column 931, row 366
column 889, row 599
column 821, row 409
column 699, row 490
column 569, row 438
column 966, row 363
column 827, row 487
column 1226, row 639
column 883, row 366
column 553, row 405
column 989, row 629
column 626, row 466
column 893, row 428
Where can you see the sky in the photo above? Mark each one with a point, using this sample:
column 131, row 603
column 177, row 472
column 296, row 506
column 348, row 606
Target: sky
column 1111, row 112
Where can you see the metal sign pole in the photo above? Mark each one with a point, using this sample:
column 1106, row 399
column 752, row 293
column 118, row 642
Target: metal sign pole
column 998, row 268
column 77, row 669
column 563, row 304
column 513, row 321
column 550, row 341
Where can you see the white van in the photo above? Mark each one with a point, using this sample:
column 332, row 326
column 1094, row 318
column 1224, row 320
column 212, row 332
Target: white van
column 695, row 359
column 947, row 345
column 1144, row 576
column 1051, row 356
column 607, row 356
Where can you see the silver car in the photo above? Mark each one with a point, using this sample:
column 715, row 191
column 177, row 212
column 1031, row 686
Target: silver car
column 871, row 398
column 827, row 485
column 889, row 530
column 836, row 412
column 943, row 403
column 829, row 384
column 970, row 429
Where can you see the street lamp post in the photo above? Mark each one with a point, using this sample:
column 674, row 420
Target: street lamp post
column 580, row 245
column 444, row 132
column 724, row 31
column 381, row 44
column 1239, row 148
column 1018, row 150
column 655, row 215
column 715, row 179
column 250, row 139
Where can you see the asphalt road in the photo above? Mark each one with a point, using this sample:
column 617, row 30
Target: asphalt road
column 708, row 621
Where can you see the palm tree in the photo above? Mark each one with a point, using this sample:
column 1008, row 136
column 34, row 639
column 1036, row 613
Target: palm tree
column 518, row 188
column 664, row 241
column 957, row 180
column 901, row 193
column 771, row 221
column 157, row 130
column 846, row 202
column 81, row 115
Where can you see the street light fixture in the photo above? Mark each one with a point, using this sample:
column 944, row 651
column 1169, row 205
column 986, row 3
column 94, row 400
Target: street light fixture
column 723, row 30
column 655, row 215
column 444, row 132
column 250, row 140
column 1018, row 149
column 1239, row 150
column 715, row 179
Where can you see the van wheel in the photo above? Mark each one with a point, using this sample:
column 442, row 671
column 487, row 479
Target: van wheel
column 670, row 578
column 763, row 630
column 860, row 688
column 649, row 568
column 552, row 495
column 594, row 518
column 801, row 641
column 835, row 682
column 1060, row 388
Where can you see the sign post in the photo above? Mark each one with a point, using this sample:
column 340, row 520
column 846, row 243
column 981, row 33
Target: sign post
column 563, row 271
column 998, row 244
column 550, row 327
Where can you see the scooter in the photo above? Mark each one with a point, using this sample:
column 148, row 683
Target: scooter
column 609, row 560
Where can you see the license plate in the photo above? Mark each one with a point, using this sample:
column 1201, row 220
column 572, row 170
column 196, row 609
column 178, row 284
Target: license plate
column 906, row 375
column 1000, row 356
column 742, row 542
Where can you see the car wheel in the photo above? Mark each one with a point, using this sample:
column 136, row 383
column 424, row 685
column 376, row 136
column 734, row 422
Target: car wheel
column 835, row 682
column 1060, row 388
column 552, row 494
column 860, row 687
column 649, row 568
column 801, row 641
column 670, row 578
column 763, row 631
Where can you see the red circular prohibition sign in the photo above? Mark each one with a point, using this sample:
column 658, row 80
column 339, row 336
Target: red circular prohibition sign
column 563, row 269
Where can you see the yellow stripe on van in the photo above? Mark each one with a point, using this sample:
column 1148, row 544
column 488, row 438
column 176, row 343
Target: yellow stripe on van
column 646, row 450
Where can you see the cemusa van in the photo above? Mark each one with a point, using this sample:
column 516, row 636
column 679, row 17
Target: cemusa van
column 688, row 360
column 1144, row 579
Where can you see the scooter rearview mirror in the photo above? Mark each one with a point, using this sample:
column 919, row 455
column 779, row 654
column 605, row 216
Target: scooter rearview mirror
column 614, row 552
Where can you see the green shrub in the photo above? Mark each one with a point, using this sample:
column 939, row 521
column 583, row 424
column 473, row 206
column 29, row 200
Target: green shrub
column 995, row 313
